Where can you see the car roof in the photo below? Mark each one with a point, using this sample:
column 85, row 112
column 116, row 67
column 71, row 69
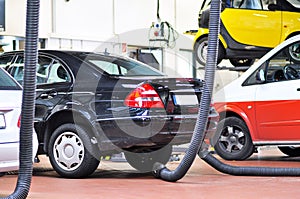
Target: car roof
column 70, row 52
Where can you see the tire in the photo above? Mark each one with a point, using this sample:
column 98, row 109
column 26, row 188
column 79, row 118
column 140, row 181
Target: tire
column 200, row 51
column 241, row 62
column 234, row 141
column 69, row 152
column 144, row 161
column 293, row 52
column 290, row 151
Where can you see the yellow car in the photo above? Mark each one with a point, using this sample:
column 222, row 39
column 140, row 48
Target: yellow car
column 249, row 29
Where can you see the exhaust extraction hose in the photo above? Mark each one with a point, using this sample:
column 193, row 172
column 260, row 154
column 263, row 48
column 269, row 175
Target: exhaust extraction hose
column 248, row 171
column 198, row 135
column 28, row 99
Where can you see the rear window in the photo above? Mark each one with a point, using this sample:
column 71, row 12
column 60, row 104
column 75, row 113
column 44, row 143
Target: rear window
column 118, row 66
column 7, row 82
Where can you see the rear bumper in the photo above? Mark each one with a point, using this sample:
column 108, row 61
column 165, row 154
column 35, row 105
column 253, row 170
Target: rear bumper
column 125, row 133
column 9, row 156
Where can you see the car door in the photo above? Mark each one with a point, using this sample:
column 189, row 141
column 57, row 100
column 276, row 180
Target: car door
column 277, row 110
column 253, row 26
column 53, row 84
column 277, row 102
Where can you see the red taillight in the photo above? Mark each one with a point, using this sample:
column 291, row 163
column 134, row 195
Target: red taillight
column 144, row 96
column 19, row 122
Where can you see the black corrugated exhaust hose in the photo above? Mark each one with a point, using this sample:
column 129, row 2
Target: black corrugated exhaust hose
column 27, row 115
column 248, row 171
column 198, row 136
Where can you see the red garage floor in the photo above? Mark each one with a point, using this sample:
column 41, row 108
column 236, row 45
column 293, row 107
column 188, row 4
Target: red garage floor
column 119, row 180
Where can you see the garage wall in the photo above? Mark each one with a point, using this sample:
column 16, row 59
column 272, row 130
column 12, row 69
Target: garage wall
column 100, row 19
column 15, row 18
column 109, row 24
column 83, row 19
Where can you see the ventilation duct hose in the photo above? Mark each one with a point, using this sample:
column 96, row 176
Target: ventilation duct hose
column 248, row 171
column 198, row 136
column 28, row 99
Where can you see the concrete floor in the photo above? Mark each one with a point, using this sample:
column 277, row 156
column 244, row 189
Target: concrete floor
column 119, row 180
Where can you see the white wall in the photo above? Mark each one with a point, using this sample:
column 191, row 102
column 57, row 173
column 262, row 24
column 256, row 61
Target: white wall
column 15, row 18
column 106, row 24
column 84, row 19
column 100, row 19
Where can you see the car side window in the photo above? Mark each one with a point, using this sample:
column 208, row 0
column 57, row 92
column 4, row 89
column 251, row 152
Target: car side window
column 251, row 4
column 283, row 66
column 48, row 70
column 51, row 71
column 254, row 4
column 6, row 61
column 16, row 69
column 270, row 4
column 57, row 73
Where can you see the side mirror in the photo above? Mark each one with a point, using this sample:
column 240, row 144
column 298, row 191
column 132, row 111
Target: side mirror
column 273, row 7
column 260, row 76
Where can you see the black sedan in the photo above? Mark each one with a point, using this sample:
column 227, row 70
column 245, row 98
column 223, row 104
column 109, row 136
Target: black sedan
column 90, row 105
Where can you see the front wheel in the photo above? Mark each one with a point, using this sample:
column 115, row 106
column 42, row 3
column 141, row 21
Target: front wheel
column 144, row 161
column 200, row 51
column 234, row 141
column 290, row 151
column 70, row 152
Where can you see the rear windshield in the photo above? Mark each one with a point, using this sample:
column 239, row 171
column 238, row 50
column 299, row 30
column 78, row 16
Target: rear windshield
column 118, row 66
column 7, row 82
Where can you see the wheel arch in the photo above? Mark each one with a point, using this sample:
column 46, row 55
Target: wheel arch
column 63, row 117
column 241, row 115
column 202, row 32
column 293, row 34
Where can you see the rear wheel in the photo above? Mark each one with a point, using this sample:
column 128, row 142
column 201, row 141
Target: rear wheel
column 290, row 151
column 200, row 51
column 234, row 141
column 144, row 161
column 241, row 62
column 70, row 152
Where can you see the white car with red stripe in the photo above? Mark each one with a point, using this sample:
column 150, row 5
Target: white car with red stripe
column 262, row 106
column 10, row 111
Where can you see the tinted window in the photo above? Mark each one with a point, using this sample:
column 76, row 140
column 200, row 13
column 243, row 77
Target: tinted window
column 48, row 70
column 254, row 4
column 5, row 60
column 6, row 82
column 122, row 67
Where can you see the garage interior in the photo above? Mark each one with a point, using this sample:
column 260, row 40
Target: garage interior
column 126, row 27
